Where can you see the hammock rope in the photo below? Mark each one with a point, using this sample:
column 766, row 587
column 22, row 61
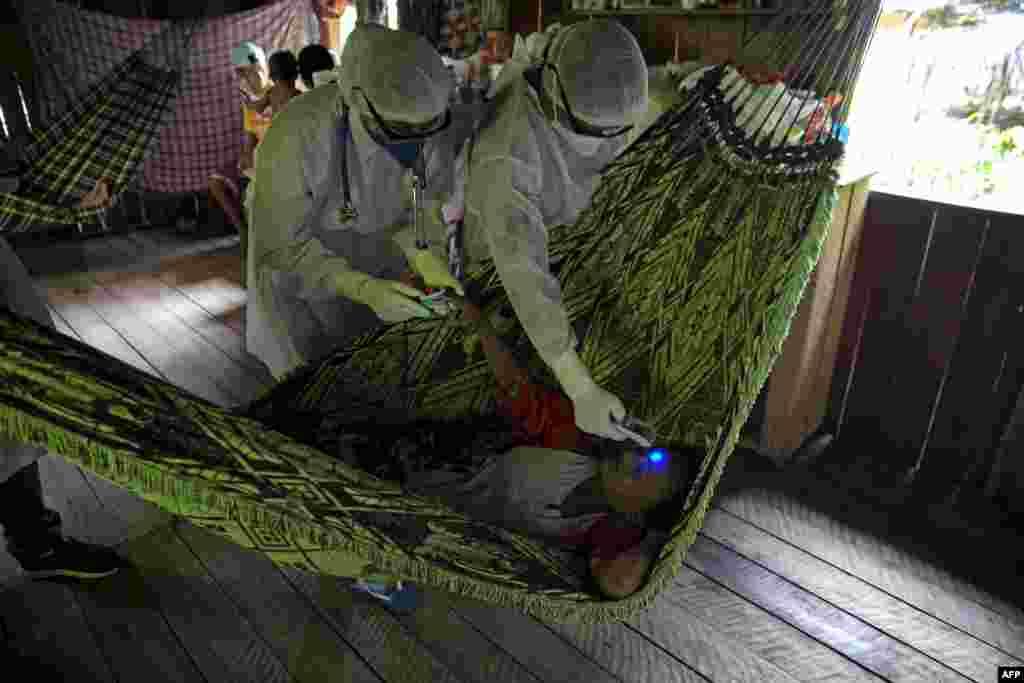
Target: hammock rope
column 105, row 135
column 682, row 279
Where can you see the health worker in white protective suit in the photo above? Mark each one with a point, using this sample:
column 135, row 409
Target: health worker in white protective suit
column 333, row 184
column 562, row 110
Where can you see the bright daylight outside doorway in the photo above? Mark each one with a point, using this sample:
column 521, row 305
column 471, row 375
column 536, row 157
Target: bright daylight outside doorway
column 939, row 111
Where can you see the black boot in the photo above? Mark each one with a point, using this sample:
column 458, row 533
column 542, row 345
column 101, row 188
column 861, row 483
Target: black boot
column 34, row 538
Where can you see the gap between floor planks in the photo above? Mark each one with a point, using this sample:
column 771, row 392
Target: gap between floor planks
column 426, row 654
column 186, row 315
column 230, row 640
column 393, row 648
column 165, row 342
column 902, row 621
column 875, row 561
column 179, row 360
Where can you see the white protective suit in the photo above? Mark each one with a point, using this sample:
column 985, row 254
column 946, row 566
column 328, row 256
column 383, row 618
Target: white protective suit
column 525, row 175
column 19, row 294
column 299, row 245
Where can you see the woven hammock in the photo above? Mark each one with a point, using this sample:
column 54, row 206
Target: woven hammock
column 682, row 276
column 106, row 134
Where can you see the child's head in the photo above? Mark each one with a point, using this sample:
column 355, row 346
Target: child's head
column 314, row 58
column 636, row 479
column 250, row 65
column 284, row 68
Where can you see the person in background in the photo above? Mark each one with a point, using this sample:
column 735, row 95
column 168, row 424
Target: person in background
column 253, row 70
column 284, row 72
column 314, row 59
column 560, row 115
column 32, row 530
column 333, row 182
column 227, row 186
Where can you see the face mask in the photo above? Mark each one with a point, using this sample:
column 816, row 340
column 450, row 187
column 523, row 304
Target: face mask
column 404, row 153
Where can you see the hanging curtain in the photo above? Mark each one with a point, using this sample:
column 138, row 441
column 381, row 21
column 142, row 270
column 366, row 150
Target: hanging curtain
column 74, row 50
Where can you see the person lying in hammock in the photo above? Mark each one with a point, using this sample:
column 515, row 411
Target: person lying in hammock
column 596, row 497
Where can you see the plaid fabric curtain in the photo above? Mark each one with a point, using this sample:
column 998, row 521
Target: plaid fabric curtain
column 74, row 50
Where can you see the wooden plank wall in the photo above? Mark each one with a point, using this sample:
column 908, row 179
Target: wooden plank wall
column 931, row 359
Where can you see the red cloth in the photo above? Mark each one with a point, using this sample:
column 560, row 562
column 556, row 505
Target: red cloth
column 546, row 419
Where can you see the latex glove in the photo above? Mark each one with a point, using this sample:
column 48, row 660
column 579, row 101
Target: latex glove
column 391, row 300
column 428, row 265
column 593, row 406
column 435, row 274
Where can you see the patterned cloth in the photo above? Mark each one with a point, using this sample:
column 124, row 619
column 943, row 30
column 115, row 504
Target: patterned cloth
column 698, row 294
column 105, row 134
column 260, row 489
column 76, row 49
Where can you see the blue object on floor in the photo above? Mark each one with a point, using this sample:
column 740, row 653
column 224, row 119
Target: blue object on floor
column 403, row 598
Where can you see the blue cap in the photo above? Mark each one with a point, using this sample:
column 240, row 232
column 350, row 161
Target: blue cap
column 247, row 54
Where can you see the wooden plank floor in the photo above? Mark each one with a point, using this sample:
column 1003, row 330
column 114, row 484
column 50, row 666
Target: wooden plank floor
column 773, row 589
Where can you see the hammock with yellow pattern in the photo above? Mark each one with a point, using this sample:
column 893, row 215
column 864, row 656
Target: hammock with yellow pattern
column 686, row 271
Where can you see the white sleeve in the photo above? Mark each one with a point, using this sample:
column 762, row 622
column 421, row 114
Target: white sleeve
column 282, row 206
column 518, row 241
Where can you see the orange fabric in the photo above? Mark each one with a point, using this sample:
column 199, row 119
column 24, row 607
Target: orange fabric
column 545, row 418
column 256, row 123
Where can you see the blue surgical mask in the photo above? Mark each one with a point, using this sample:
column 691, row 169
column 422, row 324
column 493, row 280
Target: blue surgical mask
column 404, row 153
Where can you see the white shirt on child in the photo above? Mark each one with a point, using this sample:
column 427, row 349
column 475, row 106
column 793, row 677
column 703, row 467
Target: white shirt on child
column 521, row 490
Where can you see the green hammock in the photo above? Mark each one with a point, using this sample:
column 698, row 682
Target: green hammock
column 106, row 134
column 685, row 271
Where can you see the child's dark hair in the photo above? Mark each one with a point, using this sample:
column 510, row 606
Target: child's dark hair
column 313, row 58
column 283, row 67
